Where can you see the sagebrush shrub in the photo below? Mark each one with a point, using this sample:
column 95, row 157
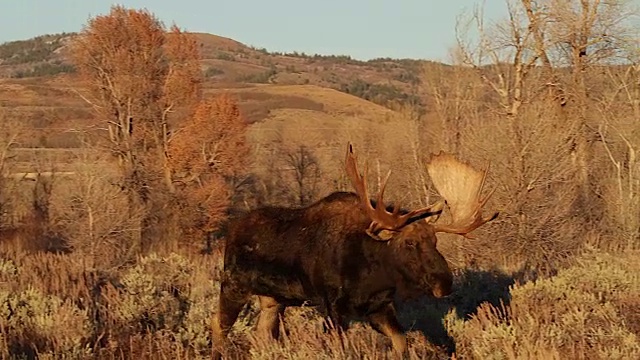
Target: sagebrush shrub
column 154, row 293
column 36, row 323
column 571, row 315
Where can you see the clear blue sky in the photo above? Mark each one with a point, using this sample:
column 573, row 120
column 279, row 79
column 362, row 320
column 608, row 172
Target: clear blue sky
column 363, row 29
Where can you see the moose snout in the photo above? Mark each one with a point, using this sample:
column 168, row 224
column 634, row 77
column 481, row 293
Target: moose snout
column 441, row 291
column 442, row 288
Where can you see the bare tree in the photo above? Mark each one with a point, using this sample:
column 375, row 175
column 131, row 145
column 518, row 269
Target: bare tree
column 584, row 35
column 502, row 56
column 272, row 185
column 550, row 148
column 619, row 108
column 10, row 132
column 306, row 172
column 207, row 156
column 26, row 183
column 138, row 76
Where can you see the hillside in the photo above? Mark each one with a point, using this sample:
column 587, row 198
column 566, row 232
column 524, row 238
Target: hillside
column 227, row 64
column 317, row 94
column 37, row 82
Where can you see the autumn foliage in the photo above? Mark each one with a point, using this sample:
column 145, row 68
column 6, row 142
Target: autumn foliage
column 138, row 77
column 176, row 154
column 205, row 154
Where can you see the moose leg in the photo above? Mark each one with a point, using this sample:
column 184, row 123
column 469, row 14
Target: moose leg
column 386, row 322
column 336, row 321
column 335, row 324
column 269, row 319
column 232, row 300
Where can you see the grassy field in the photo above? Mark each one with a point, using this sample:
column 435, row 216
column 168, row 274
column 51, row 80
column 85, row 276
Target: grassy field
column 161, row 307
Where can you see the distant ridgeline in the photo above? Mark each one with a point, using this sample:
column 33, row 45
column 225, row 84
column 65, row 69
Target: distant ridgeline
column 35, row 57
column 384, row 81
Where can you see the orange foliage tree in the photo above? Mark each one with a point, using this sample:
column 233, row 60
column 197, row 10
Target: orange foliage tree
column 208, row 153
column 145, row 84
column 138, row 77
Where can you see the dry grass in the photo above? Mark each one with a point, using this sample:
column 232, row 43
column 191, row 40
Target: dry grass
column 335, row 102
column 55, row 306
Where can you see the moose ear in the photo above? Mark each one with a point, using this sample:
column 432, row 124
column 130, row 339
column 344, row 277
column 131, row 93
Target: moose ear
column 382, row 235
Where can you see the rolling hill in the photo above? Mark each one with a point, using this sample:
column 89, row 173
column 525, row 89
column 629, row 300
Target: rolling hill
column 229, row 64
column 327, row 98
column 37, row 78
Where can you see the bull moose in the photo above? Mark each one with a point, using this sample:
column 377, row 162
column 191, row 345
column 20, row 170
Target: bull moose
column 347, row 254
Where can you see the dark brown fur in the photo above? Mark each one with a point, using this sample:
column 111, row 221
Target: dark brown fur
column 322, row 255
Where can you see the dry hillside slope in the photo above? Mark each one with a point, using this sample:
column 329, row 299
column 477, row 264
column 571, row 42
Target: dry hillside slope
column 38, row 85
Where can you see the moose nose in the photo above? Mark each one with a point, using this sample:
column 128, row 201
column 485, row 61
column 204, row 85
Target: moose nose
column 441, row 290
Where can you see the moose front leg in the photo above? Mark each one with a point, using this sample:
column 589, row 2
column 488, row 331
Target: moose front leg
column 232, row 300
column 386, row 322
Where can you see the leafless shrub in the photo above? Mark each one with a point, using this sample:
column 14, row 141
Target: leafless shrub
column 30, row 227
column 10, row 132
column 621, row 186
column 533, row 170
column 94, row 214
column 304, row 170
column 536, row 123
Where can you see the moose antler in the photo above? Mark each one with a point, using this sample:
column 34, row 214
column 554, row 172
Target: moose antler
column 460, row 185
column 380, row 217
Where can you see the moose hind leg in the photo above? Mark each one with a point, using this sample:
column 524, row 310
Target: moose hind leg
column 232, row 300
column 386, row 322
column 271, row 312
